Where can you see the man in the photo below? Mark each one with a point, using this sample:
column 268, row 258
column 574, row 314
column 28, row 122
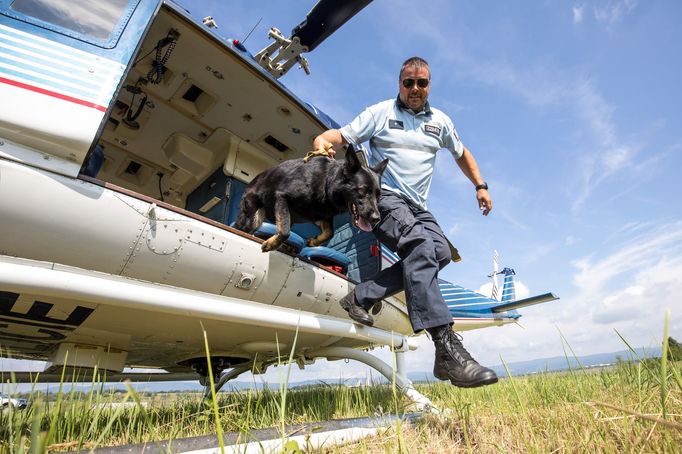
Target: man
column 409, row 132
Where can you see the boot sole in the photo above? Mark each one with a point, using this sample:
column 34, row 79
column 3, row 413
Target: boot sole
column 475, row 384
column 470, row 384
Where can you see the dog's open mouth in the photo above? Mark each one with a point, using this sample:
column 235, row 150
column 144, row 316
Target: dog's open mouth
column 359, row 221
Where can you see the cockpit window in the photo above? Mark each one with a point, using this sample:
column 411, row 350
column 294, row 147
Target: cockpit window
column 87, row 19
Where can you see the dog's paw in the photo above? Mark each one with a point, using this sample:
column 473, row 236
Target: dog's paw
column 270, row 244
column 312, row 242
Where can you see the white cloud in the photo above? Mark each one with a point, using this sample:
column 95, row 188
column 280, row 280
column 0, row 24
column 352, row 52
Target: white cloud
column 619, row 305
column 634, row 286
column 628, row 290
column 641, row 252
column 617, row 158
column 654, row 291
column 630, row 229
column 454, row 230
column 608, row 155
column 578, row 14
column 614, row 11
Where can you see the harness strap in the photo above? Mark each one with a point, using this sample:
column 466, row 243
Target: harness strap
column 321, row 152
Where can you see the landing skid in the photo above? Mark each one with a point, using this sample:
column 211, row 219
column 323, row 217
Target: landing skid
column 395, row 375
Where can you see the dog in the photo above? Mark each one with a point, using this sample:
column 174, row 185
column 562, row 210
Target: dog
column 313, row 191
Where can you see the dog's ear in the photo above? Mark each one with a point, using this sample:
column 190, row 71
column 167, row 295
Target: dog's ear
column 353, row 164
column 379, row 168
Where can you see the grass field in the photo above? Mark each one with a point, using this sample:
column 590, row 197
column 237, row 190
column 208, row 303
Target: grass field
column 635, row 406
column 622, row 409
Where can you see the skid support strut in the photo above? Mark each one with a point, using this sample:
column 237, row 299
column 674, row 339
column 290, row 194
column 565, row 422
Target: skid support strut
column 225, row 377
column 398, row 374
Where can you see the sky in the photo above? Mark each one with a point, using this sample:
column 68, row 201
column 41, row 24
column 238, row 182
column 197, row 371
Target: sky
column 573, row 112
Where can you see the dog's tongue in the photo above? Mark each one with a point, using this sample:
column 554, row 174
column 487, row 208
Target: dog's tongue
column 364, row 225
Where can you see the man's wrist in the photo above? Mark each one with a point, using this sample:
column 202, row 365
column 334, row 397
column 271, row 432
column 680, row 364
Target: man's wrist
column 483, row 185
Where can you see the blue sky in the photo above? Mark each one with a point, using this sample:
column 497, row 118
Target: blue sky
column 572, row 110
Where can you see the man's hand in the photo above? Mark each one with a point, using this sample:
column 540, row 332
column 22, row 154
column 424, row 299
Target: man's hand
column 321, row 144
column 467, row 163
column 329, row 148
column 485, row 204
column 328, row 140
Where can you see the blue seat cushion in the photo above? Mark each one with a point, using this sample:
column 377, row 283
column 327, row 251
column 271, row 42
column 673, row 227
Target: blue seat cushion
column 266, row 230
column 326, row 256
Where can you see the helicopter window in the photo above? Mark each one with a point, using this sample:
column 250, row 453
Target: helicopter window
column 94, row 21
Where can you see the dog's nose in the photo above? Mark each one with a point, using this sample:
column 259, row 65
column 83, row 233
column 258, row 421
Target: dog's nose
column 374, row 218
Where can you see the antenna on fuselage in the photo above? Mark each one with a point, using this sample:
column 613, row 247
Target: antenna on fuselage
column 252, row 29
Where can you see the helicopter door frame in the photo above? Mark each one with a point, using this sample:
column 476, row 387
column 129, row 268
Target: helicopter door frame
column 58, row 83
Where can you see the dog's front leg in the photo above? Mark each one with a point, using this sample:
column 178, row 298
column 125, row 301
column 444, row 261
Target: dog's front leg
column 282, row 223
column 326, row 232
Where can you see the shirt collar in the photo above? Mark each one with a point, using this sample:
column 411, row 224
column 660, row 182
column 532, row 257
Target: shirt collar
column 426, row 110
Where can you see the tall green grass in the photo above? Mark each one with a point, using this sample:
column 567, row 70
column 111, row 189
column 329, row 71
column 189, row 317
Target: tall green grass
column 214, row 400
column 635, row 406
column 84, row 420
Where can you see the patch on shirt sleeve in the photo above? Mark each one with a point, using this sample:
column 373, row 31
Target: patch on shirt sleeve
column 395, row 124
column 432, row 129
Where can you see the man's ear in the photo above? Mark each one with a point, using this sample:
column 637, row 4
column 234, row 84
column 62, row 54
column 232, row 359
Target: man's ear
column 379, row 168
column 352, row 162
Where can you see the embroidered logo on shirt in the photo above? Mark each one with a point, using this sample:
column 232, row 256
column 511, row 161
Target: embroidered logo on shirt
column 395, row 124
column 432, row 129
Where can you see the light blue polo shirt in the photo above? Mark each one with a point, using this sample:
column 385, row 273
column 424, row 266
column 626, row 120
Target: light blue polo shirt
column 409, row 140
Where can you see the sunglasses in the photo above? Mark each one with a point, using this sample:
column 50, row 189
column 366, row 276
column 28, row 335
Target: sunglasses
column 421, row 83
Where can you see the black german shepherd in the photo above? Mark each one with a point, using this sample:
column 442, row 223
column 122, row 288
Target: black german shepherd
column 313, row 191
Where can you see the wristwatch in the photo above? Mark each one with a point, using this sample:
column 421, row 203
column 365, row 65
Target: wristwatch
column 483, row 185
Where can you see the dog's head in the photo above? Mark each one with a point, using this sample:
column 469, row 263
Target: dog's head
column 363, row 186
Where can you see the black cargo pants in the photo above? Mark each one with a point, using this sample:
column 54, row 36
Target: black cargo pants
column 415, row 236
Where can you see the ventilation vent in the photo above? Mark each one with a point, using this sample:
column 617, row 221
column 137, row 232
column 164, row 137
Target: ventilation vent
column 276, row 144
column 193, row 99
column 133, row 168
column 193, row 93
column 134, row 172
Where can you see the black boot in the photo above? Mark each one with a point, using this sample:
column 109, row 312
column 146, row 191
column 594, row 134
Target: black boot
column 454, row 363
column 355, row 311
